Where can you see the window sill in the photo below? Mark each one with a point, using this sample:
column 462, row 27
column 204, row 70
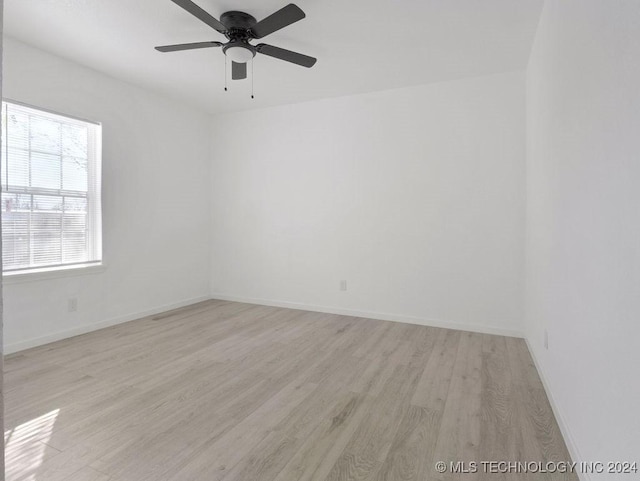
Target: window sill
column 51, row 273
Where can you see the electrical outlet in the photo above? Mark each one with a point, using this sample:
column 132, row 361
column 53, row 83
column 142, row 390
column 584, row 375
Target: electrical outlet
column 72, row 304
column 343, row 285
column 546, row 339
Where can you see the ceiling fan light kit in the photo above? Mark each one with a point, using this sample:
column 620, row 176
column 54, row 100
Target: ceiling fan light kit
column 240, row 28
column 239, row 53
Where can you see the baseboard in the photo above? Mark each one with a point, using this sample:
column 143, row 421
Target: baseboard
column 76, row 331
column 383, row 316
column 564, row 427
column 57, row 336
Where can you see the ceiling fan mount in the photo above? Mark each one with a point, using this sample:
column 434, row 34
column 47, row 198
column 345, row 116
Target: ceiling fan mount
column 237, row 20
column 240, row 29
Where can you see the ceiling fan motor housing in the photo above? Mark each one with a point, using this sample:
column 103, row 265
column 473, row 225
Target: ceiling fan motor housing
column 237, row 20
column 238, row 24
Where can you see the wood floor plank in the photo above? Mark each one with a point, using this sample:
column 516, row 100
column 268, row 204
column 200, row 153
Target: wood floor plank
column 433, row 387
column 459, row 433
column 362, row 458
column 269, row 457
column 411, row 455
column 498, row 428
column 319, row 452
column 409, row 458
column 540, row 439
column 225, row 391
column 235, row 444
column 88, row 474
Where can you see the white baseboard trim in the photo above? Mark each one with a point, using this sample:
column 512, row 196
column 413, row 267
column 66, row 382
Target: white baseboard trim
column 564, row 427
column 383, row 316
column 76, row 331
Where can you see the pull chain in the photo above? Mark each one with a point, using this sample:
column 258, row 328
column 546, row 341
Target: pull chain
column 252, row 67
column 225, row 73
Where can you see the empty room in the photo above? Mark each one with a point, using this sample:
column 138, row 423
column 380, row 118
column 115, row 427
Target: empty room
column 324, row 241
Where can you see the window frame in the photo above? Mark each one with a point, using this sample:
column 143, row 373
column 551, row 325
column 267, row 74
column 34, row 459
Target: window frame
column 94, row 206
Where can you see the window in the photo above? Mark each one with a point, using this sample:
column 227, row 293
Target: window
column 51, row 214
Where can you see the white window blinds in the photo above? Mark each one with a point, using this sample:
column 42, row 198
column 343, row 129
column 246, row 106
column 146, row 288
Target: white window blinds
column 51, row 213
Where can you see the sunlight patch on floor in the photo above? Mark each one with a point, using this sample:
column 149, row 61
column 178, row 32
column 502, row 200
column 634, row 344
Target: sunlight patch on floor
column 25, row 446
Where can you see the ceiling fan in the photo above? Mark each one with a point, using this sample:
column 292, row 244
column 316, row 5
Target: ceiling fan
column 240, row 28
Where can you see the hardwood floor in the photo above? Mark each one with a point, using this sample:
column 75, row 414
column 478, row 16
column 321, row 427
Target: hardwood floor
column 228, row 391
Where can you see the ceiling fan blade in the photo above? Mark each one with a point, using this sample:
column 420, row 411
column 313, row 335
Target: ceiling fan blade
column 199, row 13
column 188, row 46
column 238, row 71
column 280, row 19
column 286, row 55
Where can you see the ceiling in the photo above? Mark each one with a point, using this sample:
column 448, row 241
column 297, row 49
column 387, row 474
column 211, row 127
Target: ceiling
column 361, row 45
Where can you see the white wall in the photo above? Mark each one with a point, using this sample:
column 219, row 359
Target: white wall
column 583, row 221
column 414, row 196
column 155, row 201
